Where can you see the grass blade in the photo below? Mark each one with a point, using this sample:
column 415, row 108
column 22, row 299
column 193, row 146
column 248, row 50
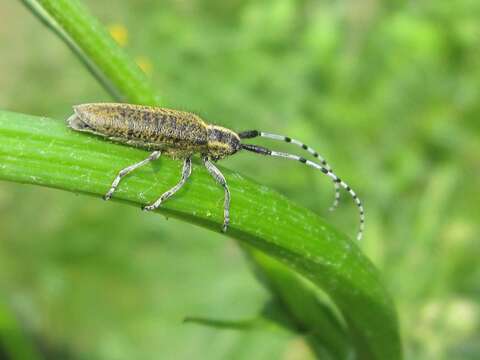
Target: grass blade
column 96, row 49
column 43, row 151
column 92, row 43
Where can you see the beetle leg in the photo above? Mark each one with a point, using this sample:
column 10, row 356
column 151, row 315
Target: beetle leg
column 187, row 170
column 153, row 156
column 219, row 178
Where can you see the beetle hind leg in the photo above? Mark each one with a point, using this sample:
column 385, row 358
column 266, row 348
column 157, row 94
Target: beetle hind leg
column 187, row 170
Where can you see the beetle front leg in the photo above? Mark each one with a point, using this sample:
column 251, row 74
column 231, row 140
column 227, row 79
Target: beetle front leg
column 219, row 178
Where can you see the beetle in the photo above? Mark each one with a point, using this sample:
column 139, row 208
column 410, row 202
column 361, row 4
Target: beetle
column 180, row 135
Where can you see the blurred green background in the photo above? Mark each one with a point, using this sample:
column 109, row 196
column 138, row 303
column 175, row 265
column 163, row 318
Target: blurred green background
column 387, row 91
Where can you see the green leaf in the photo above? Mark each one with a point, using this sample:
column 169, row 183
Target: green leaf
column 309, row 311
column 43, row 151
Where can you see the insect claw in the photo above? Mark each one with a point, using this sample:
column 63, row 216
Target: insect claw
column 107, row 196
column 151, row 207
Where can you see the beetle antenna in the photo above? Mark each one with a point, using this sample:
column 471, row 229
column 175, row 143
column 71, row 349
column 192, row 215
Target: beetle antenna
column 250, row 134
column 264, row 151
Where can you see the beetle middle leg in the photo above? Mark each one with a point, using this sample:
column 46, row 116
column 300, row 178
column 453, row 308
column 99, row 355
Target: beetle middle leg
column 218, row 176
column 153, row 156
column 187, row 170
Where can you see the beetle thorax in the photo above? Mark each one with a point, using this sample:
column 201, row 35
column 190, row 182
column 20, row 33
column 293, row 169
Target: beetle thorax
column 221, row 142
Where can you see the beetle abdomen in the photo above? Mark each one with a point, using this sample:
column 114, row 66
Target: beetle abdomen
column 142, row 126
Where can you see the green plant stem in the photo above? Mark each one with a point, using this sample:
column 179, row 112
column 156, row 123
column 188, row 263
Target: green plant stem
column 96, row 49
column 309, row 311
column 43, row 151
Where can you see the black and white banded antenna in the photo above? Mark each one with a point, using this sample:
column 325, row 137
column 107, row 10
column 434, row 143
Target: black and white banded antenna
column 324, row 169
column 254, row 133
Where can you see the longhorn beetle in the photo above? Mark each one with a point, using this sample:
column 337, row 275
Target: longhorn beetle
column 180, row 135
